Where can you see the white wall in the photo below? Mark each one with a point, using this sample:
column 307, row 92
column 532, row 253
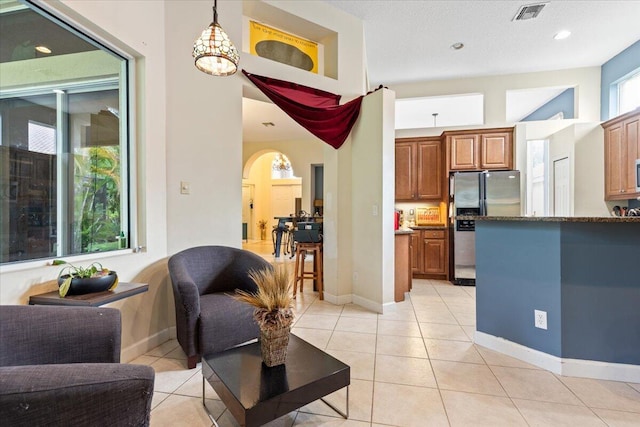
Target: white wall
column 589, row 170
column 188, row 128
column 585, row 80
column 373, row 178
column 147, row 317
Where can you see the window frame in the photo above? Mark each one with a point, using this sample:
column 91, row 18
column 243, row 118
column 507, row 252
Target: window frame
column 127, row 104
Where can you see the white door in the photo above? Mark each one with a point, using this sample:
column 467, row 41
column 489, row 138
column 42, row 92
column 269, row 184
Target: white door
column 561, row 181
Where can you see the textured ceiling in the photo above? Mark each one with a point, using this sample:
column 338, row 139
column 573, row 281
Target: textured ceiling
column 409, row 41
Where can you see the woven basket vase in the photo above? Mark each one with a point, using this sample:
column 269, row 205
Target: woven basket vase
column 273, row 345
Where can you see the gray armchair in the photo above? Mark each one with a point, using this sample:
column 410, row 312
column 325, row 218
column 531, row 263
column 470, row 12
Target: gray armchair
column 59, row 366
column 208, row 319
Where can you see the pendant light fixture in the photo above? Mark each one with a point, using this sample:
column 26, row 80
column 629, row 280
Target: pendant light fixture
column 213, row 51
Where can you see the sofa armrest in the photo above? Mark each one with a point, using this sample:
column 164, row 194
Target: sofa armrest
column 35, row 334
column 81, row 394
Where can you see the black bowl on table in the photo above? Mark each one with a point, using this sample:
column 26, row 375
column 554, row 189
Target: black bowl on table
column 89, row 285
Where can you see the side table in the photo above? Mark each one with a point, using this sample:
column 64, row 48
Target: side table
column 256, row 394
column 94, row 299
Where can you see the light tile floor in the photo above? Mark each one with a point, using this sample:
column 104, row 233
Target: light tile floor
column 414, row 366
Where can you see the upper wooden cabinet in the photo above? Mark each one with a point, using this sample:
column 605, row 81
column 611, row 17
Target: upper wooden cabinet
column 479, row 149
column 495, row 149
column 621, row 149
column 419, row 169
column 405, row 170
column 463, row 151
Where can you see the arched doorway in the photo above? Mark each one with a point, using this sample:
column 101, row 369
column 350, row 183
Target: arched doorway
column 269, row 189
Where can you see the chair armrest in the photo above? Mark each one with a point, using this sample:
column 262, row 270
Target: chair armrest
column 34, row 334
column 91, row 394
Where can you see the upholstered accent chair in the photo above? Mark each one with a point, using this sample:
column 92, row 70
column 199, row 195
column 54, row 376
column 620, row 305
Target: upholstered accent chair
column 208, row 318
column 59, row 366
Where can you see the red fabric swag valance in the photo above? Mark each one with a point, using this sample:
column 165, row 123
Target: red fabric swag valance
column 316, row 110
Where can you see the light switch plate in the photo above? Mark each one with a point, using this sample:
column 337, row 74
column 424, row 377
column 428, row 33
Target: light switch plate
column 185, row 187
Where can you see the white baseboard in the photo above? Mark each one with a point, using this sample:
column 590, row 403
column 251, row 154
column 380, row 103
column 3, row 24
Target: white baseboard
column 562, row 366
column 338, row 299
column 149, row 343
column 368, row 304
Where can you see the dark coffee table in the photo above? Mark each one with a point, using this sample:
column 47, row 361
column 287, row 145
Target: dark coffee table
column 256, row 394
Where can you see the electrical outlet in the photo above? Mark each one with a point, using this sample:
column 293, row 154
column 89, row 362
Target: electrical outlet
column 540, row 319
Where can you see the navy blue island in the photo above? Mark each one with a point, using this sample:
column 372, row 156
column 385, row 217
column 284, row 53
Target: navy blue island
column 582, row 273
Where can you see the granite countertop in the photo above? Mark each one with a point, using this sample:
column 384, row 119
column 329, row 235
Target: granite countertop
column 616, row 219
column 404, row 231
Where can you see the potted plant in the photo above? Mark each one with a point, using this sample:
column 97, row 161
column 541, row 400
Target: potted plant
column 262, row 225
column 273, row 311
column 73, row 280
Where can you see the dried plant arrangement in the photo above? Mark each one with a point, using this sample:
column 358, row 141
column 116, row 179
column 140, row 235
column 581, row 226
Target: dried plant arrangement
column 273, row 300
column 273, row 311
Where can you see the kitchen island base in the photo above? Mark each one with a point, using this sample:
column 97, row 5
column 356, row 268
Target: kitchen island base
column 583, row 272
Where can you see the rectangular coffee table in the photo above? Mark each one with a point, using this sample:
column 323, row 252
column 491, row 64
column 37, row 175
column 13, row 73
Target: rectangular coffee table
column 256, row 394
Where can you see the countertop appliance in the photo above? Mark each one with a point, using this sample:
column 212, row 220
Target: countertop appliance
column 487, row 193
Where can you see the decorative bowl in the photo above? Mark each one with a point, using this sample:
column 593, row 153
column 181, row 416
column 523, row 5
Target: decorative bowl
column 81, row 285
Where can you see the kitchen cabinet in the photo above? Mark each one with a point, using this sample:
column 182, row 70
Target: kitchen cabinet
column 495, row 149
column 621, row 149
column 402, row 265
column 416, row 252
column 419, row 169
column 405, row 170
column 434, row 252
column 431, row 253
column 463, row 151
column 479, row 149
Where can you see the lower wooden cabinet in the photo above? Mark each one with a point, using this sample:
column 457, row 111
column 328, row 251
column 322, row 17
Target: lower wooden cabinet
column 403, row 266
column 430, row 254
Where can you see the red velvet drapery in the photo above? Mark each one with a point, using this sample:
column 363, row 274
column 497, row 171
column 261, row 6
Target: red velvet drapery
column 316, row 110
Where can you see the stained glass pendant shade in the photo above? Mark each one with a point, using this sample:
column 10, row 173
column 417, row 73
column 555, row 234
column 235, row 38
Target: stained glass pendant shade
column 213, row 51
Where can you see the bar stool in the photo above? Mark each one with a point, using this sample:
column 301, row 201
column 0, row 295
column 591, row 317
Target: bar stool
column 302, row 248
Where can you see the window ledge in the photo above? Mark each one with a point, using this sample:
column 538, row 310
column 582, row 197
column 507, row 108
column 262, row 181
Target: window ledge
column 73, row 259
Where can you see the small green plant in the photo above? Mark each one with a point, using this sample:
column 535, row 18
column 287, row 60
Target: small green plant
column 72, row 272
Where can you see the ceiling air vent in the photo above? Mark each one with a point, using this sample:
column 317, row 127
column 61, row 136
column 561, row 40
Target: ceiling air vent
column 529, row 11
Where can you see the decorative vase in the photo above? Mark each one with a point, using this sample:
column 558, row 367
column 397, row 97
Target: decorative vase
column 273, row 345
column 263, row 234
column 88, row 285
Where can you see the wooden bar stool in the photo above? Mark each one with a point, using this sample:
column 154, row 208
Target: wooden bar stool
column 300, row 274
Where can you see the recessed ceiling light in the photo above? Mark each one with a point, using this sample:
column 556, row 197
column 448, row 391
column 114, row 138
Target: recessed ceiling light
column 562, row 35
column 457, row 46
column 43, row 49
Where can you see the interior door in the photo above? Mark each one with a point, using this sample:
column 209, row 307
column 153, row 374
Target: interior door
column 561, row 184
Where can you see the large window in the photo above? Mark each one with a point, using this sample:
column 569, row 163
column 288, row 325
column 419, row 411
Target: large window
column 629, row 93
column 63, row 140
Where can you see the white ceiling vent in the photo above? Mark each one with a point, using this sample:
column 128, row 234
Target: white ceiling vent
column 529, row 11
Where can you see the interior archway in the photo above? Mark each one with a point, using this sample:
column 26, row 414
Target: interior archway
column 267, row 193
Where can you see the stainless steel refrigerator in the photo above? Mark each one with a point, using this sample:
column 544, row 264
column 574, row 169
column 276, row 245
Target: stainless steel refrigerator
column 488, row 193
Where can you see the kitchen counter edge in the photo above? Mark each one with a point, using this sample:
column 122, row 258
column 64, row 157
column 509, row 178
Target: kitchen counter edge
column 552, row 218
column 401, row 231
